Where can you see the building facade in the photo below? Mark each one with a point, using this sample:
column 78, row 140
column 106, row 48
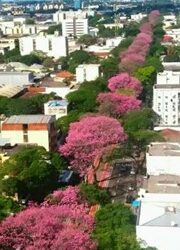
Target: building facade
column 16, row 78
column 59, row 108
column 59, row 16
column 166, row 98
column 74, row 27
column 31, row 129
column 87, row 72
column 53, row 45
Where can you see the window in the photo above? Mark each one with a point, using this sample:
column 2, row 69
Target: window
column 25, row 138
column 34, row 44
column 50, row 45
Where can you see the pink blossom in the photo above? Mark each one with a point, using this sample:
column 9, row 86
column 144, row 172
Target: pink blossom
column 88, row 138
column 115, row 104
column 124, row 80
column 53, row 227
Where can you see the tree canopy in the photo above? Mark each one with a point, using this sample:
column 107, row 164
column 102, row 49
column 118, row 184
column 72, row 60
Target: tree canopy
column 32, row 173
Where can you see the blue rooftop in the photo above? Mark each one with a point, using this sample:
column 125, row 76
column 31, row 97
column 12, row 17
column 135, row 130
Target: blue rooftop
column 57, row 103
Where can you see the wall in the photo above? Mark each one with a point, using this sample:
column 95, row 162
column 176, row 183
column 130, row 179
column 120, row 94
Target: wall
column 58, row 48
column 39, row 137
column 15, row 78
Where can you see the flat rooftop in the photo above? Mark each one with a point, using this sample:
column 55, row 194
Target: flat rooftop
column 57, row 103
column 28, row 119
column 50, row 83
column 164, row 149
column 169, row 184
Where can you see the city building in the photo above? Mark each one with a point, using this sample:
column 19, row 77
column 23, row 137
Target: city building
column 163, row 158
column 77, row 4
column 12, row 28
column 166, row 99
column 169, row 20
column 64, row 76
column 158, row 221
column 53, row 45
column 31, row 129
column 6, row 44
column 74, row 27
column 16, row 78
column 87, row 72
column 60, row 15
column 59, row 108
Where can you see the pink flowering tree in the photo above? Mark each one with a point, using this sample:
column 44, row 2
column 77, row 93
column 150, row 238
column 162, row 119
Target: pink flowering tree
column 153, row 17
column 115, row 104
column 63, row 225
column 88, row 138
column 125, row 81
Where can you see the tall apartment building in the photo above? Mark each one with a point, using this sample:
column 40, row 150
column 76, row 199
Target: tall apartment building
column 74, row 27
column 31, row 129
column 166, row 98
column 53, row 45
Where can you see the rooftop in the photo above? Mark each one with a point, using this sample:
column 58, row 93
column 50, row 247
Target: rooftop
column 10, row 90
column 169, row 184
column 162, row 212
column 57, row 103
column 64, row 74
column 164, row 149
column 28, row 119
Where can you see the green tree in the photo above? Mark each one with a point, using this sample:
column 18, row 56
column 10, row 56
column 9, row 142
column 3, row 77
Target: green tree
column 53, row 28
column 132, row 29
column 8, row 206
column 87, row 40
column 48, row 63
column 84, row 99
column 94, row 195
column 30, row 173
column 109, row 66
column 147, row 77
column 64, row 122
column 115, row 228
column 139, row 120
column 79, row 57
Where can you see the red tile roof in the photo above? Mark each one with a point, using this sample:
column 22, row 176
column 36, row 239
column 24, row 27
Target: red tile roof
column 64, row 74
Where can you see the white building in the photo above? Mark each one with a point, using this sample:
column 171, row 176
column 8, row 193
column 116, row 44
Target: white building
column 138, row 17
column 6, row 44
column 169, row 20
column 166, row 98
column 16, row 78
column 59, row 16
column 87, row 72
column 158, row 221
column 12, row 28
column 74, row 27
column 59, row 108
column 163, row 158
column 31, row 129
column 53, row 45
